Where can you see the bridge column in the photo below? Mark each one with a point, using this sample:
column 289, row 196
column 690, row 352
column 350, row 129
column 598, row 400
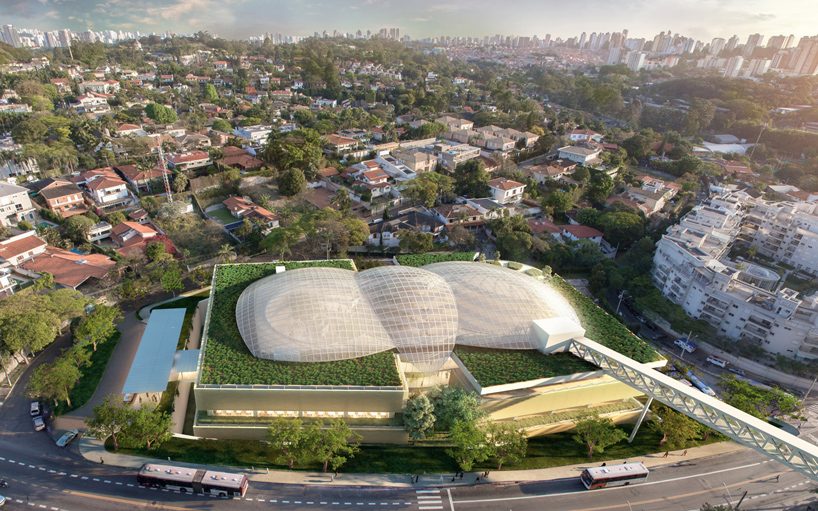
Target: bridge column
column 641, row 418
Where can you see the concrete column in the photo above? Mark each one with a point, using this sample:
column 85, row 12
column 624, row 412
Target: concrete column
column 640, row 419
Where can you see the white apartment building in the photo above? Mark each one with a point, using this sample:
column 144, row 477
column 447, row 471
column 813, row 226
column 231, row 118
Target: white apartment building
column 739, row 299
column 256, row 134
column 785, row 231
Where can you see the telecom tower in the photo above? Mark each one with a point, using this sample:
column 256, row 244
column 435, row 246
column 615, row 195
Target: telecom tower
column 164, row 168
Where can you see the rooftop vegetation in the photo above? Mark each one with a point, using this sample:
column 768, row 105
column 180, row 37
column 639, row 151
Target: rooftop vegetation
column 604, row 328
column 417, row 260
column 498, row 367
column 228, row 361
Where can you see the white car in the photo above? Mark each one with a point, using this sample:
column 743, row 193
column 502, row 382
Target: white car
column 67, row 437
column 38, row 423
column 2, row 500
column 35, row 409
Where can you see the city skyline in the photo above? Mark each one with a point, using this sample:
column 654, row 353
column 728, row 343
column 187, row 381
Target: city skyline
column 699, row 19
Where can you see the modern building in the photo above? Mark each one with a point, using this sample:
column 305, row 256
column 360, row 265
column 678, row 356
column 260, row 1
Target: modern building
column 255, row 134
column 506, row 191
column 15, row 205
column 453, row 155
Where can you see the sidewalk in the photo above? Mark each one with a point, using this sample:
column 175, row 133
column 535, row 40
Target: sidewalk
column 145, row 312
column 94, row 450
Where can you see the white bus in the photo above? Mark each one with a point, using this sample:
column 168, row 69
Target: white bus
column 184, row 479
column 614, row 475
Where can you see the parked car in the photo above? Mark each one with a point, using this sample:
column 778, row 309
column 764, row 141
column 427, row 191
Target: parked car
column 736, row 370
column 67, row 437
column 35, row 408
column 2, row 500
column 38, row 423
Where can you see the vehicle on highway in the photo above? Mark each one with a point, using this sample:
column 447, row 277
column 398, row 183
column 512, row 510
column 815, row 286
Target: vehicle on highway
column 684, row 382
column 4, row 483
column 614, row 475
column 700, row 384
column 35, row 409
column 2, row 501
column 221, row 484
column 717, row 361
column 686, row 345
column 67, row 437
column 38, row 423
column 736, row 370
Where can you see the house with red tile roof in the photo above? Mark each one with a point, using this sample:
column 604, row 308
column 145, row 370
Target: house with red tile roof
column 65, row 200
column 506, row 191
column 544, row 227
column 130, row 130
column 20, row 248
column 142, row 180
column 106, row 191
column 188, row 160
column 70, row 270
column 581, row 232
column 241, row 207
column 584, row 135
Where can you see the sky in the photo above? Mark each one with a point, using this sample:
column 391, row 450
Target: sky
column 233, row 19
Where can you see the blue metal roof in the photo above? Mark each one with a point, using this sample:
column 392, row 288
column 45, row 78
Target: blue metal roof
column 150, row 370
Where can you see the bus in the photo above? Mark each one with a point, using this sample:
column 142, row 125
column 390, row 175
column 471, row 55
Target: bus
column 614, row 475
column 184, row 479
column 700, row 384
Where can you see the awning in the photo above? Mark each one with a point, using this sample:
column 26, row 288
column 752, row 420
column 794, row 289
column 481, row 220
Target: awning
column 151, row 367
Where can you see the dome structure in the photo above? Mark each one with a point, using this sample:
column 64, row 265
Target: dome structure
column 324, row 314
column 495, row 305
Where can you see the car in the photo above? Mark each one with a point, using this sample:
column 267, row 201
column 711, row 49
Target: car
column 38, row 423
column 35, row 408
column 2, row 500
column 641, row 319
column 67, row 437
column 736, row 370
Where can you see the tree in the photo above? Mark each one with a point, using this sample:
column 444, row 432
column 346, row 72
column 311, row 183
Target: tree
column 460, row 236
column 280, row 239
column 24, row 226
column 469, row 445
column 29, row 131
column 418, row 417
column 331, row 446
column 508, row 444
column 54, row 381
column 226, row 253
column 5, row 363
column 148, row 426
column 77, row 355
column 292, row 182
column 560, row 201
column 180, row 183
column 597, row 434
column 452, row 404
column 156, row 251
column 134, row 290
column 588, row 216
column 172, row 281
column 471, row 179
column 78, row 227
column 581, row 174
column 202, row 276
column 756, row 401
column 600, row 187
column 108, row 419
column 415, row 242
column 516, row 245
column 342, row 199
column 221, row 125
column 428, row 188
column 116, row 218
column 29, row 331
column 160, row 113
column 289, row 437
column 677, row 428
column 209, row 93
column 98, row 326
column 622, row 228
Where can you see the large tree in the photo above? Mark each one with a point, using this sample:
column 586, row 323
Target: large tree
column 418, row 417
column 160, row 113
column 453, row 404
column 172, row 281
column 291, row 439
column 415, row 242
column 560, row 201
column 331, row 446
column 29, row 331
column 292, row 182
column 597, row 434
column 54, row 381
column 98, row 326
column 148, row 427
column 108, row 419
column 469, row 444
column 677, row 428
column 508, row 444
column 756, row 401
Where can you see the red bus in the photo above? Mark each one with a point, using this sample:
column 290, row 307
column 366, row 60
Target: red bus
column 184, row 479
column 614, row 475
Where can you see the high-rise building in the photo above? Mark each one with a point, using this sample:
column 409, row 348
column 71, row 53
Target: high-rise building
column 65, row 38
column 731, row 43
column 614, row 54
column 758, row 67
column 753, row 41
column 733, row 66
column 776, row 42
column 717, row 45
column 635, row 60
column 11, row 36
column 582, row 38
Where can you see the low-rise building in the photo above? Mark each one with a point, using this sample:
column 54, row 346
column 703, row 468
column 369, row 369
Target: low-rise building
column 581, row 154
column 188, row 160
column 15, row 205
column 106, row 191
column 459, row 214
column 255, row 134
column 142, row 180
column 506, row 191
column 581, row 232
column 584, row 136
column 70, row 270
column 453, row 155
column 242, row 207
column 65, row 200
column 418, row 161
column 21, row 248
column 385, row 232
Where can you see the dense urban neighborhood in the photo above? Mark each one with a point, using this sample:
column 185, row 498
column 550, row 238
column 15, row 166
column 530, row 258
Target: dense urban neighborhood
column 374, row 254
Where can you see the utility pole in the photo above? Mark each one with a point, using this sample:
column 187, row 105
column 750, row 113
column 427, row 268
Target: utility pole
column 164, row 170
column 621, row 297
column 742, row 500
column 809, row 390
column 684, row 348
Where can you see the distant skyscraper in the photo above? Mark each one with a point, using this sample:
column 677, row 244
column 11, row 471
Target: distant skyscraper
column 11, row 36
column 732, row 43
column 582, row 40
column 636, row 60
column 752, row 42
column 717, row 45
column 758, row 67
column 733, row 66
column 614, row 55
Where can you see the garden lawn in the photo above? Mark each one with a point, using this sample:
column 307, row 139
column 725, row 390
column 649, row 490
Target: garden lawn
column 223, row 216
column 91, row 375
column 228, row 361
column 555, row 450
column 417, row 260
column 497, row 367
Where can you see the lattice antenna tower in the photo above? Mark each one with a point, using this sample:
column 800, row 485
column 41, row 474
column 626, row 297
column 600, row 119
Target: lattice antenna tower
column 164, row 168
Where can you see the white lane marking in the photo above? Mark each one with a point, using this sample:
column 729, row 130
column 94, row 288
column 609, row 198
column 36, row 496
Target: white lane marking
column 32, row 466
column 52, row 471
column 438, row 497
column 427, row 491
column 74, row 475
column 527, row 497
column 430, row 507
column 84, row 478
column 118, row 483
column 262, row 500
column 41, row 468
column 451, row 502
column 130, row 485
column 109, row 482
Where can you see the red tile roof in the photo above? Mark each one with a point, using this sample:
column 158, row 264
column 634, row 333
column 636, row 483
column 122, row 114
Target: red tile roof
column 582, row 231
column 541, row 226
column 504, row 184
column 104, row 182
column 13, row 249
column 70, row 269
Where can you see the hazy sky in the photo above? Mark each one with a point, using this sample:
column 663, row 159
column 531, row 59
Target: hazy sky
column 701, row 19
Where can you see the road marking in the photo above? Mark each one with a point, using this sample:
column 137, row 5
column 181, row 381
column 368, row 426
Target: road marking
column 32, row 466
column 451, row 502
column 109, row 482
column 438, row 497
column 430, row 507
column 118, row 483
column 427, row 491
column 52, row 471
column 41, row 468
column 95, row 479
column 74, row 475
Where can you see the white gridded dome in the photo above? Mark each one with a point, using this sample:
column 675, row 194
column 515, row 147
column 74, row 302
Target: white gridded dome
column 496, row 305
column 323, row 314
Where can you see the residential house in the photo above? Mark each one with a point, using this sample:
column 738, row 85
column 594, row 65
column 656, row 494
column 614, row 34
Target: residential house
column 242, row 207
column 500, row 144
column 21, row 248
column 581, row 232
column 99, row 231
column 418, row 161
column 542, row 228
column 370, row 175
column 107, row 191
column 100, row 87
column 15, row 205
column 91, row 102
column 240, row 159
column 70, row 270
column 584, row 136
column 453, row 123
column 506, row 191
column 188, row 160
column 396, row 170
column 340, row 144
column 133, row 237
column 554, row 170
column 453, row 155
column 130, row 130
column 655, row 201
column 385, row 233
column 63, row 85
column 64, row 200
column 142, row 180
column 459, row 214
column 256, row 134
column 190, row 141
column 139, row 216
column 581, row 154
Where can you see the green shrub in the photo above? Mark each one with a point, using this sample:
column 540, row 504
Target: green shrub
column 228, row 361
column 417, row 260
column 534, row 272
column 496, row 263
column 515, row 266
column 497, row 367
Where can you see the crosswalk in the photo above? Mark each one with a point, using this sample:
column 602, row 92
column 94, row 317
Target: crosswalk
column 429, row 499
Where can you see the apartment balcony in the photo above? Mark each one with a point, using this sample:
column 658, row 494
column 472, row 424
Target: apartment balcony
column 762, row 323
column 778, row 228
column 717, row 303
column 749, row 336
column 713, row 320
column 718, row 313
column 775, row 241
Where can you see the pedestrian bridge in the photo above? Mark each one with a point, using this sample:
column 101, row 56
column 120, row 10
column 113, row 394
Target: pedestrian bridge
column 559, row 334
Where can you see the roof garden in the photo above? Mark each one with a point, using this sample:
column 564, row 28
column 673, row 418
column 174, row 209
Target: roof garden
column 227, row 361
column 492, row 367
